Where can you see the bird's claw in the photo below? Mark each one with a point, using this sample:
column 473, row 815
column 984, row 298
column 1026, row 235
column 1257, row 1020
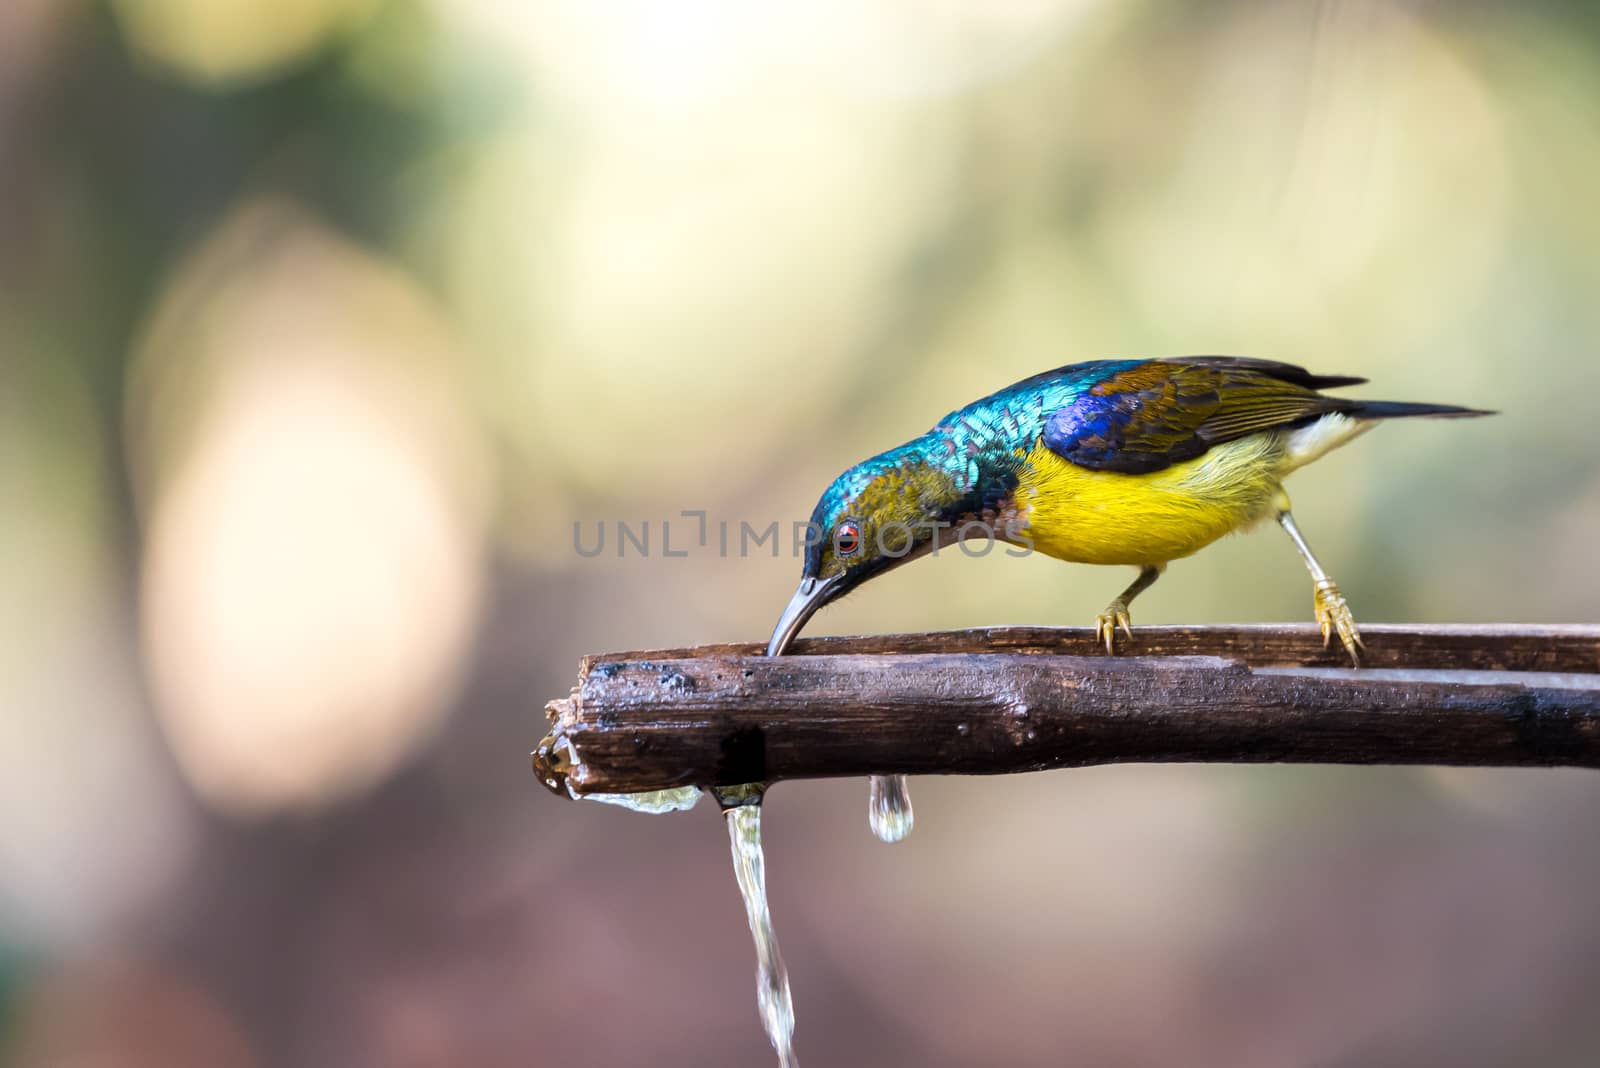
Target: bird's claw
column 1333, row 615
column 1107, row 623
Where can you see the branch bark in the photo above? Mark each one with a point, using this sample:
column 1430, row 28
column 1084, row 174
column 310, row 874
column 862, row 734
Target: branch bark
column 1024, row 699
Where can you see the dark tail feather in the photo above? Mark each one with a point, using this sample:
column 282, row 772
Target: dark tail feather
column 1332, row 381
column 1401, row 409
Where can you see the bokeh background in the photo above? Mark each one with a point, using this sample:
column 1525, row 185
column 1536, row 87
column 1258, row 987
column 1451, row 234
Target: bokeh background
column 322, row 322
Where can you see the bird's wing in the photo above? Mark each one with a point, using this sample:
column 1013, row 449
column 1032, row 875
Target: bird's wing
column 1161, row 412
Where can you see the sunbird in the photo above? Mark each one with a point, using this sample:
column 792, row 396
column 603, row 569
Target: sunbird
column 1132, row 462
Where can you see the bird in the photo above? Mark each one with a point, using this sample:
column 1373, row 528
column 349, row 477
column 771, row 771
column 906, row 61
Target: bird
column 1134, row 462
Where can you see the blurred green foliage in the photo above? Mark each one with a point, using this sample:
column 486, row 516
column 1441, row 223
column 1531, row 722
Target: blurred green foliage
column 322, row 323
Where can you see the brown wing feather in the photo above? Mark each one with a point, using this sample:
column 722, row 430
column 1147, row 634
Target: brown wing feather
column 1162, row 412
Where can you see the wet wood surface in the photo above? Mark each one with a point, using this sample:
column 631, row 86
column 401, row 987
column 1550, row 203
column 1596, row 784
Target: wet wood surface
column 1014, row 699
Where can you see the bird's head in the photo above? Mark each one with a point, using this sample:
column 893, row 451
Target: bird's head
column 879, row 514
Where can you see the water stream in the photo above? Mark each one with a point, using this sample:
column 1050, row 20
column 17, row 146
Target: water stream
column 772, row 978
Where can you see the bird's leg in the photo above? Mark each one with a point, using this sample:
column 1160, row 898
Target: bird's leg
column 1116, row 613
column 1332, row 611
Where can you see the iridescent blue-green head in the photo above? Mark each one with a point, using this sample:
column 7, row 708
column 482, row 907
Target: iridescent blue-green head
column 878, row 515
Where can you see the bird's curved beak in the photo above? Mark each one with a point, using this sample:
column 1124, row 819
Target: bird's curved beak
column 812, row 595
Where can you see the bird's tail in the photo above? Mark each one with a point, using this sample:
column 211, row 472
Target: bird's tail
column 1403, row 409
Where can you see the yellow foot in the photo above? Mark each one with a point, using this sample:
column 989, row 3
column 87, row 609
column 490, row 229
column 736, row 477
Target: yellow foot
column 1333, row 614
column 1107, row 623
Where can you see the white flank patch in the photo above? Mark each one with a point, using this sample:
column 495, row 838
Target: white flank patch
column 1326, row 434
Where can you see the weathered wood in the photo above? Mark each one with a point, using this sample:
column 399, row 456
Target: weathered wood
column 1007, row 700
column 1451, row 646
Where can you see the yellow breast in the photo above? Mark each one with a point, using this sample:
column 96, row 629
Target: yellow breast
column 1105, row 517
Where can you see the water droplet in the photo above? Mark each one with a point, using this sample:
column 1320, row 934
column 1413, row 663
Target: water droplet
column 962, row 729
column 889, row 807
column 772, row 978
column 653, row 802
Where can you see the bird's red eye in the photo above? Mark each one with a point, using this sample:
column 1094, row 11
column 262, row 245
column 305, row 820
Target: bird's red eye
column 847, row 538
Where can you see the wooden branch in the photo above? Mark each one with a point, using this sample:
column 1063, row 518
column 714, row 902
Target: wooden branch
column 1447, row 646
column 1023, row 699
